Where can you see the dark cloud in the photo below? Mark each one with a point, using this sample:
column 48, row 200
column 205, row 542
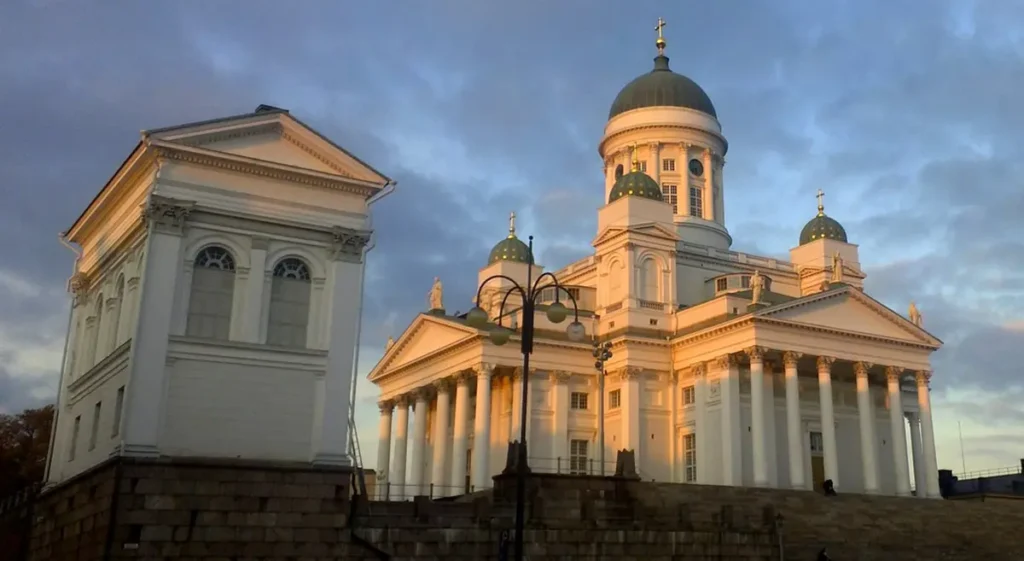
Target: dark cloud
column 905, row 113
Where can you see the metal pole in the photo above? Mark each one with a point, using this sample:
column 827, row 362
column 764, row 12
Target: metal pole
column 527, row 348
column 600, row 418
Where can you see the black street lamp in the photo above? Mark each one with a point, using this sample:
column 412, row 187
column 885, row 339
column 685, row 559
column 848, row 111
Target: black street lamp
column 556, row 313
column 601, row 355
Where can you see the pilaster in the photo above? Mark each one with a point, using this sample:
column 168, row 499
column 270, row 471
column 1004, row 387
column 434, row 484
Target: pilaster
column 700, row 395
column 630, row 418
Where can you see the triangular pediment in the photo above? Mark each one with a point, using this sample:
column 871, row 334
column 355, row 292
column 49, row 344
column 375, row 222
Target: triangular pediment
column 426, row 335
column 850, row 310
column 271, row 136
column 652, row 229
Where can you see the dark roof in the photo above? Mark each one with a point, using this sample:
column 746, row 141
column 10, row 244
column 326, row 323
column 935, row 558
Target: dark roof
column 636, row 184
column 822, row 226
column 662, row 88
column 510, row 249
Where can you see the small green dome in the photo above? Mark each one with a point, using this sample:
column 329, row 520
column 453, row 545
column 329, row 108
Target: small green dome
column 510, row 248
column 637, row 184
column 822, row 227
column 662, row 88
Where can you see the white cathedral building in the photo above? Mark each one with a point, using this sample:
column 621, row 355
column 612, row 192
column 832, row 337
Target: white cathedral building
column 217, row 297
column 727, row 368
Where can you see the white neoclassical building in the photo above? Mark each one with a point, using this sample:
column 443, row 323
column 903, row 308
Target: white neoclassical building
column 728, row 368
column 217, row 293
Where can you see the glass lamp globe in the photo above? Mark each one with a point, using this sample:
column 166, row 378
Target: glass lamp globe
column 576, row 331
column 500, row 335
column 557, row 312
column 476, row 317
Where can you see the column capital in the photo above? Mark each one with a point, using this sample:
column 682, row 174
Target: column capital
column 463, row 378
column 420, row 394
column 78, row 283
column 629, row 373
column 166, row 214
column 755, row 353
column 560, row 377
column 825, row 363
column 791, row 358
column 699, row 370
column 403, row 400
column 444, row 385
column 923, row 377
column 386, row 406
column 892, row 373
column 484, row 369
column 517, row 373
column 860, row 368
column 725, row 361
column 347, row 244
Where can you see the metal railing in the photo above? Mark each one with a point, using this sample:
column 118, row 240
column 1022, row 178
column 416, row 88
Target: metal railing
column 992, row 472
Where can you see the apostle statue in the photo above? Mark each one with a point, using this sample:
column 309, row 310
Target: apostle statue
column 390, row 343
column 436, row 294
column 837, row 267
column 757, row 287
column 914, row 314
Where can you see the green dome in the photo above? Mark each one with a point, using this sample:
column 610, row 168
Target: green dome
column 510, row 249
column 662, row 88
column 635, row 183
column 822, row 227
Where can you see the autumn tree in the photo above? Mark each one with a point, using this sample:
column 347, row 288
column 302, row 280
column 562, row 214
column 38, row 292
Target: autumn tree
column 24, row 440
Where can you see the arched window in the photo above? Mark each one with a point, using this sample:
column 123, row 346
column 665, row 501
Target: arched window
column 649, row 280
column 116, row 332
column 618, row 171
column 212, row 294
column 289, row 304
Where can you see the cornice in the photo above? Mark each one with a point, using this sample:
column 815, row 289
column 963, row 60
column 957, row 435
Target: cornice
column 740, row 267
column 261, row 168
column 606, row 140
column 138, row 164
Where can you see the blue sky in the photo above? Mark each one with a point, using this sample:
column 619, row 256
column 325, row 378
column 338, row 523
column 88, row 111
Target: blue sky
column 905, row 113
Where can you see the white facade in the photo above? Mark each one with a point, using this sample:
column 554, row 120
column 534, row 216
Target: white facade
column 217, row 295
column 805, row 380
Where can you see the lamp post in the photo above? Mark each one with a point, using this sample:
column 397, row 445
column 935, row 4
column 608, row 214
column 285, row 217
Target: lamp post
column 499, row 335
column 601, row 355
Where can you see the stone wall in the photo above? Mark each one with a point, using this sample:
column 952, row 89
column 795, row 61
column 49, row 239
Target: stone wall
column 201, row 510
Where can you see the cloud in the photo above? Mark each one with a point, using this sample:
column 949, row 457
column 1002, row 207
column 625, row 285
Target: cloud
column 908, row 122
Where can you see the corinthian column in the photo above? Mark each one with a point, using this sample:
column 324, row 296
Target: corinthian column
column 482, row 429
column 438, row 467
column 866, row 415
column 828, row 419
column 732, row 437
column 460, row 432
column 794, row 435
column 924, row 407
column 899, row 434
column 757, row 419
column 419, row 442
column 396, row 483
column 387, row 409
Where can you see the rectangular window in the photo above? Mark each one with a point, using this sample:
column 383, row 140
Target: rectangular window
column 696, row 202
column 745, row 281
column 578, row 457
column 689, row 395
column 668, row 164
column 614, row 399
column 74, row 438
column 578, row 401
column 94, row 431
column 690, row 457
column 118, row 407
column 817, row 444
column 721, row 284
column 670, row 194
column 643, row 165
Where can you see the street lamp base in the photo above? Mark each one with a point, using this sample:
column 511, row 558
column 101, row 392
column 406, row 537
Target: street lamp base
column 516, row 456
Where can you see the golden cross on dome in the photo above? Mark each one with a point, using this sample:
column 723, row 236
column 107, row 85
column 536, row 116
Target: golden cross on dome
column 660, row 43
column 512, row 225
column 821, row 201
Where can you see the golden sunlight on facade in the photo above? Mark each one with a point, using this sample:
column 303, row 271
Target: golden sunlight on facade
column 727, row 368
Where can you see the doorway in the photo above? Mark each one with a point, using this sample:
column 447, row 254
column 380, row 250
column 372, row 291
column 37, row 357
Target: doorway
column 817, row 460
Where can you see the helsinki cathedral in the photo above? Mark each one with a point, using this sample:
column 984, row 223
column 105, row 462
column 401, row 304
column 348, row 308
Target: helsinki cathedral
column 720, row 367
